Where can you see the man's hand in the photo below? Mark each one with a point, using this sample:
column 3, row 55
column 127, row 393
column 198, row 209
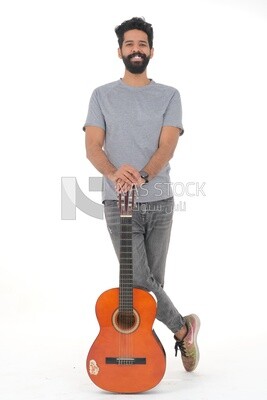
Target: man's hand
column 125, row 178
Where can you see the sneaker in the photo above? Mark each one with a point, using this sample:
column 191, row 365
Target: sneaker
column 188, row 346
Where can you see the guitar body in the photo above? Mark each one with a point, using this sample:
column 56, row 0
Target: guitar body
column 127, row 356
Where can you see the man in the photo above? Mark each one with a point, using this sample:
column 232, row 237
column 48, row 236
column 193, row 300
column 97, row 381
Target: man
column 132, row 129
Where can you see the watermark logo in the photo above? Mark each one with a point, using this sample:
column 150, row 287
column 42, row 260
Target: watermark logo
column 176, row 189
column 72, row 196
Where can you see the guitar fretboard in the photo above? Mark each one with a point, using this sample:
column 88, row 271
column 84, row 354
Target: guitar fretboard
column 126, row 266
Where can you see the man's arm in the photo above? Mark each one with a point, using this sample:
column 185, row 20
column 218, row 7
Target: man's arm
column 94, row 141
column 167, row 143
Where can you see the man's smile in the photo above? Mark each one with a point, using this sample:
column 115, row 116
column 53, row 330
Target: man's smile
column 137, row 57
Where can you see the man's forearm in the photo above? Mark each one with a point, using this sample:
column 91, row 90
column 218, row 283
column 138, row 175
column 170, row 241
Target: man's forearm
column 158, row 161
column 100, row 161
column 167, row 144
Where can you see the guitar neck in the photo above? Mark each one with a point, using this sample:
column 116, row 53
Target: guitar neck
column 126, row 265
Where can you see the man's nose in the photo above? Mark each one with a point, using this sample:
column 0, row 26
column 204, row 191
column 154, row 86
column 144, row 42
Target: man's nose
column 136, row 49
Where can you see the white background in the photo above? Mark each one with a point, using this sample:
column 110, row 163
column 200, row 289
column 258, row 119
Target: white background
column 54, row 53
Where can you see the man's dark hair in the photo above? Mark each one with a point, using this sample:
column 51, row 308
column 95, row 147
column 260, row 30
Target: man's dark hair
column 134, row 23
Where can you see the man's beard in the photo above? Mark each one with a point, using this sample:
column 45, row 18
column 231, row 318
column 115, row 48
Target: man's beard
column 136, row 67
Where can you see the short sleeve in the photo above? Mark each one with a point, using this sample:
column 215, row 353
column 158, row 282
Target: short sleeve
column 173, row 113
column 95, row 116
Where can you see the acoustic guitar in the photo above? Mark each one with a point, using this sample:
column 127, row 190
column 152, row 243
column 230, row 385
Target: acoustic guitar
column 126, row 356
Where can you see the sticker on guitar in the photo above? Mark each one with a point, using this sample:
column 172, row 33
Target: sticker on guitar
column 93, row 367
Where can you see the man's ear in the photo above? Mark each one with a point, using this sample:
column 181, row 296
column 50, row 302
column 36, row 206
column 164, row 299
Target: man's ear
column 152, row 52
column 119, row 53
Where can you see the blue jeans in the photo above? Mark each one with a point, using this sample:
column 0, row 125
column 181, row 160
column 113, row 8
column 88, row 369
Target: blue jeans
column 151, row 227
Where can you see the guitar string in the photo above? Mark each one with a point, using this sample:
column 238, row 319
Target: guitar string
column 126, row 299
column 126, row 203
column 126, row 343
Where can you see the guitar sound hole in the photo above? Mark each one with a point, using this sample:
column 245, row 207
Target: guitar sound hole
column 125, row 322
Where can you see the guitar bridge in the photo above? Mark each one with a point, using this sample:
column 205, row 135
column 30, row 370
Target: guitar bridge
column 126, row 360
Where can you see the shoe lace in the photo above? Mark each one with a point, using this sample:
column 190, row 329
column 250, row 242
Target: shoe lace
column 179, row 345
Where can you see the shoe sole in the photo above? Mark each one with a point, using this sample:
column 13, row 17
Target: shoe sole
column 197, row 326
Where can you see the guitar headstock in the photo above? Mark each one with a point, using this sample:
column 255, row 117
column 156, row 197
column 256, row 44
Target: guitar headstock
column 126, row 202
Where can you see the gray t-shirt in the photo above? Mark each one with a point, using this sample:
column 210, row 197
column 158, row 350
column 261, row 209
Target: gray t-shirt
column 132, row 118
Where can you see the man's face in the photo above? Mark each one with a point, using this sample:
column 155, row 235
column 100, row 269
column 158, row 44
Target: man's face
column 135, row 51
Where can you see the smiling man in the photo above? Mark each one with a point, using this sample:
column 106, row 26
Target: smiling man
column 132, row 129
column 135, row 51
